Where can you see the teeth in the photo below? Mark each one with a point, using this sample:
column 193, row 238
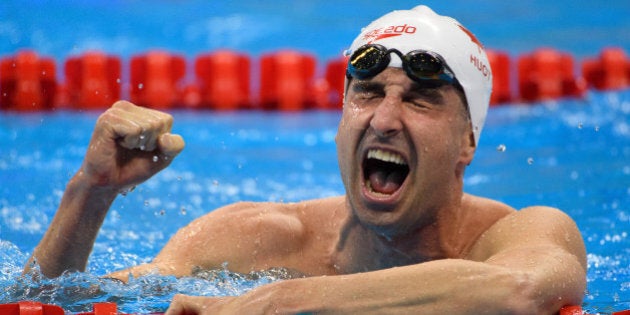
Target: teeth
column 386, row 156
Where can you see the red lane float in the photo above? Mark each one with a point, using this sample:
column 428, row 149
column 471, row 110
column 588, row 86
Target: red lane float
column 27, row 82
column 109, row 308
column 577, row 310
column 36, row 308
column 224, row 80
column 608, row 71
column 156, row 79
column 336, row 78
column 548, row 74
column 30, row 308
column 501, row 81
column 571, row 310
column 287, row 80
column 93, row 80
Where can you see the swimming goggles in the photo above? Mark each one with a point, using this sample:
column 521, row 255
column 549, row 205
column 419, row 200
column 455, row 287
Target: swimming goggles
column 420, row 65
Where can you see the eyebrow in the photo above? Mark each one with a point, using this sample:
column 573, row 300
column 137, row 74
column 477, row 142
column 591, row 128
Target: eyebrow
column 367, row 86
column 429, row 90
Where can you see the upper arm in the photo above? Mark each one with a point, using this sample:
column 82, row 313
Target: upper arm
column 543, row 243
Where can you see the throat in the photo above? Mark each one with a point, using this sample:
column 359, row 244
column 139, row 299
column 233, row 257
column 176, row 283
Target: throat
column 369, row 252
column 384, row 177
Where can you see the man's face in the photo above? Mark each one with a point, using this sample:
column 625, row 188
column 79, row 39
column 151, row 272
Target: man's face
column 402, row 148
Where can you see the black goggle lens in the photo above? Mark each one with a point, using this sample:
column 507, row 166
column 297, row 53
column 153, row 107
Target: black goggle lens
column 424, row 64
column 369, row 60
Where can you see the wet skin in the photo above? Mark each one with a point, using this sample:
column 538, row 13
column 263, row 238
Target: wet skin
column 426, row 126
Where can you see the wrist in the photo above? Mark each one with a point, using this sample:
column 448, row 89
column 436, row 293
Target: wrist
column 84, row 194
column 85, row 182
column 297, row 296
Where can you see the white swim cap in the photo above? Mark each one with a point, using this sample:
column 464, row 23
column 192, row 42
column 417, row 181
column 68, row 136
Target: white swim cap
column 422, row 29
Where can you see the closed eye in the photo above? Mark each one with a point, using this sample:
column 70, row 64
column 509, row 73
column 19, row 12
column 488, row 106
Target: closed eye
column 425, row 93
column 368, row 90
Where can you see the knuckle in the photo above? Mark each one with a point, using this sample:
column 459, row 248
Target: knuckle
column 122, row 104
column 168, row 118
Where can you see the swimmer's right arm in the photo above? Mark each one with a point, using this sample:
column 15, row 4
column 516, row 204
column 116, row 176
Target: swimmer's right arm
column 128, row 146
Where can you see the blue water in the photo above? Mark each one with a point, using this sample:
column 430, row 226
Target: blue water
column 325, row 28
column 571, row 154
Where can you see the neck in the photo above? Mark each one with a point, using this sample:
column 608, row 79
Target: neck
column 361, row 249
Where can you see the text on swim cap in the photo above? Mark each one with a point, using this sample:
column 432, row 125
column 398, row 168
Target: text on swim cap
column 478, row 63
column 389, row 31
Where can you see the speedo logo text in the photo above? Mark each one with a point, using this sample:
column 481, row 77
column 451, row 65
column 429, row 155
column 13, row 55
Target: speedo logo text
column 389, row 31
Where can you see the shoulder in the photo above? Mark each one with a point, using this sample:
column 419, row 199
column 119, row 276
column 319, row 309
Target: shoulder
column 245, row 235
column 480, row 215
column 531, row 227
column 274, row 217
column 483, row 213
column 539, row 222
column 267, row 217
column 246, row 220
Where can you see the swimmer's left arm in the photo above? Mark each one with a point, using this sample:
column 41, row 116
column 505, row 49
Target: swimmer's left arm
column 532, row 262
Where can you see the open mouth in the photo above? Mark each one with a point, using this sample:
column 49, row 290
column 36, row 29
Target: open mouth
column 384, row 171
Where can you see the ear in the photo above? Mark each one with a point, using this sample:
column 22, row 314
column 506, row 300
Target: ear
column 468, row 147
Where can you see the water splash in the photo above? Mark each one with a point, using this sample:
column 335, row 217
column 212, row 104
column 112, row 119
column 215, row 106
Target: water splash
column 78, row 291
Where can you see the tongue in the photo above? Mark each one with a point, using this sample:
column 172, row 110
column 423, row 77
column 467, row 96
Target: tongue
column 386, row 182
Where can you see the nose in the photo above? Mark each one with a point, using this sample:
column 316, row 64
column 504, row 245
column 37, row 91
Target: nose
column 386, row 118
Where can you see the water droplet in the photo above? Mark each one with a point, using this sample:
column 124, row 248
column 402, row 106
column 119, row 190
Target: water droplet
column 183, row 211
column 580, row 125
column 142, row 147
column 142, row 137
column 140, row 86
column 501, row 148
column 530, row 160
column 155, row 158
column 125, row 191
column 596, row 128
column 118, row 80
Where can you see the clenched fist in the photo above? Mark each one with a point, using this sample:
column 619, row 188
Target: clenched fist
column 129, row 145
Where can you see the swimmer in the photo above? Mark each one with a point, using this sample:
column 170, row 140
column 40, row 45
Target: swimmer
column 404, row 239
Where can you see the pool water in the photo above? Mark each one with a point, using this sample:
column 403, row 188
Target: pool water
column 570, row 154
